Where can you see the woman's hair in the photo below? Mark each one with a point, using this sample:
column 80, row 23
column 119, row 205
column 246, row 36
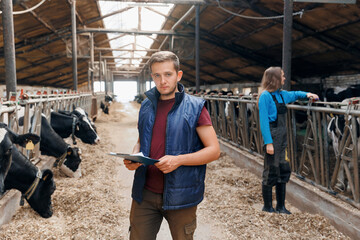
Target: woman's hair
column 271, row 80
column 164, row 56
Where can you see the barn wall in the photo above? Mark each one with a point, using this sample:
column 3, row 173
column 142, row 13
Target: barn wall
column 334, row 81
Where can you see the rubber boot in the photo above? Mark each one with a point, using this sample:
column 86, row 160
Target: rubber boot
column 280, row 198
column 267, row 196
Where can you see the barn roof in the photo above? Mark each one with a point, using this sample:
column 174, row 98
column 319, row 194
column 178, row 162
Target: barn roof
column 233, row 49
column 41, row 37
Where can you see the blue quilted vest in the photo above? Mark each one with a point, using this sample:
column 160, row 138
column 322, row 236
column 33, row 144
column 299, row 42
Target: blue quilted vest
column 184, row 187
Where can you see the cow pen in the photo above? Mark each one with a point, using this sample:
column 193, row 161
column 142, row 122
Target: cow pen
column 97, row 205
column 312, row 157
column 35, row 105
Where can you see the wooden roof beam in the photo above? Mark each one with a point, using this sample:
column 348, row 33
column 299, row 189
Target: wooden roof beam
column 224, row 22
column 308, row 32
column 248, row 77
column 37, row 63
column 206, row 73
column 57, row 68
column 247, row 53
column 43, row 22
column 69, row 79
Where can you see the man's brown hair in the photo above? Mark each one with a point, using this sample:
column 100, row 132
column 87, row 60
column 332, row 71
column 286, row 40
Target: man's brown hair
column 164, row 56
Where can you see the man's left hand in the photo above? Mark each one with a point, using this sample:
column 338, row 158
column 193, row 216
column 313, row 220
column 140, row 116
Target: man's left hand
column 168, row 163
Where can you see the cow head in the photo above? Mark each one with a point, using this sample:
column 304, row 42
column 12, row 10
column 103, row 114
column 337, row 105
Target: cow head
column 85, row 130
column 104, row 107
column 71, row 166
column 40, row 200
column 7, row 138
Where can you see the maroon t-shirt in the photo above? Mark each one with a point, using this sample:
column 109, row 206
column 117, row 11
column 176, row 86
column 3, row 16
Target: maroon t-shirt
column 154, row 177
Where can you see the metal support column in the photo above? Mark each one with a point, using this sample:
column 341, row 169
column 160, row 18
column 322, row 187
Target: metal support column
column 92, row 61
column 197, row 49
column 74, row 44
column 112, row 82
column 287, row 41
column 106, row 77
column 9, row 46
column 100, row 71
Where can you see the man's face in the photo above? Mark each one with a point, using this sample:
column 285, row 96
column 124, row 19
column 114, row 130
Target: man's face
column 165, row 78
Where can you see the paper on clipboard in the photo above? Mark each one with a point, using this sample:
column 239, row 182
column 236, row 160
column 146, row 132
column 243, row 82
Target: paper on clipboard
column 138, row 157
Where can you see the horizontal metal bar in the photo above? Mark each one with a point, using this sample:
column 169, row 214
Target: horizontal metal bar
column 161, row 1
column 323, row 109
column 135, row 31
column 133, row 58
column 126, row 50
column 150, row 3
column 125, row 72
column 328, row 1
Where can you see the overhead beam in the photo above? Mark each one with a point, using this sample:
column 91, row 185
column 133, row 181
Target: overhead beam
column 206, row 73
column 57, row 68
column 111, row 39
column 134, row 31
column 125, row 72
column 248, row 77
column 107, row 15
column 160, row 1
column 216, row 27
column 131, row 58
column 126, row 50
column 237, row 3
column 43, row 22
column 308, row 32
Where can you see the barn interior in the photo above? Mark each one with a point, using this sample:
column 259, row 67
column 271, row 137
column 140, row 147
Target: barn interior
column 69, row 45
column 234, row 43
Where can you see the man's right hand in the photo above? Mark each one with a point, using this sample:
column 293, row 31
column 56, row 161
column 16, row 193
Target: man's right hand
column 270, row 148
column 131, row 165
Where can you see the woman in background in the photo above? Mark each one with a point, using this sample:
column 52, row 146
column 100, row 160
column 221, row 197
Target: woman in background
column 272, row 111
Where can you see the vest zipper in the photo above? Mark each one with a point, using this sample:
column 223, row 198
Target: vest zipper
column 166, row 151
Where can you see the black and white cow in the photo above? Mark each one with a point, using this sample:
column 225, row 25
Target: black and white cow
column 68, row 158
column 75, row 123
column 7, row 138
column 335, row 130
column 36, row 185
column 51, row 144
column 340, row 94
column 105, row 106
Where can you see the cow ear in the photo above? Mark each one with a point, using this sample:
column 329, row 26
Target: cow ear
column 25, row 138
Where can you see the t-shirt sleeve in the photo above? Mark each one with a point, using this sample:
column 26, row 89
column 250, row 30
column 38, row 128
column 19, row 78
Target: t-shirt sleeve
column 204, row 119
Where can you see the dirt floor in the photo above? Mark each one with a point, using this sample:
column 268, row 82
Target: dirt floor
column 96, row 206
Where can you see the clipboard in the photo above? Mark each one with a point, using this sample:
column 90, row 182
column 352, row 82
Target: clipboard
column 139, row 157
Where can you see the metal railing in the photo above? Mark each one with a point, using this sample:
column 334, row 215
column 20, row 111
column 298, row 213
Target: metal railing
column 310, row 150
column 33, row 106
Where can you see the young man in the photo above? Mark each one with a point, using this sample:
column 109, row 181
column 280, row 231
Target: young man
column 175, row 128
